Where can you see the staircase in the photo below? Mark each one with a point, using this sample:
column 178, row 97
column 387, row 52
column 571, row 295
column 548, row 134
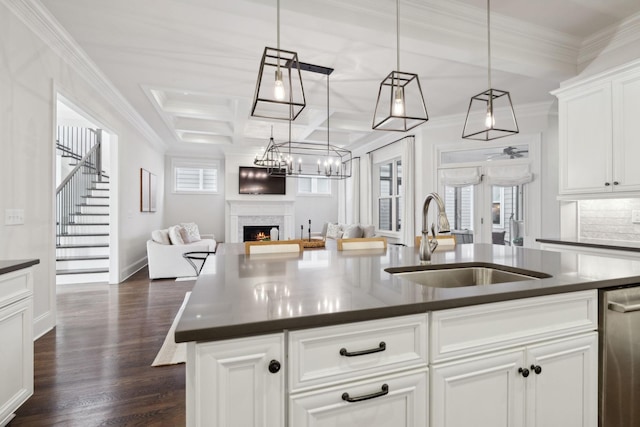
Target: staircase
column 82, row 206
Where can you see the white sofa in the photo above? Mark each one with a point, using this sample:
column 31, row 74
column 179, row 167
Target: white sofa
column 165, row 260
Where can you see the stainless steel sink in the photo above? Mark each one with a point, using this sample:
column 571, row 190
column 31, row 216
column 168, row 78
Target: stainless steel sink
column 463, row 275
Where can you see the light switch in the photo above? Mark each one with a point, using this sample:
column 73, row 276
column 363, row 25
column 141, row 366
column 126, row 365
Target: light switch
column 635, row 217
column 13, row 216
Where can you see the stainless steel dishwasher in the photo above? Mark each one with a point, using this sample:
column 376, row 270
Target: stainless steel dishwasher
column 620, row 357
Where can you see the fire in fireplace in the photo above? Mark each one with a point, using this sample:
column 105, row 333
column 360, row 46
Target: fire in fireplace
column 252, row 233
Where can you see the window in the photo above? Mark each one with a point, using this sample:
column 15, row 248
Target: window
column 195, row 178
column 390, row 203
column 314, row 186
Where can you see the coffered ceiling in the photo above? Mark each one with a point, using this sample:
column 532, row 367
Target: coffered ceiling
column 189, row 67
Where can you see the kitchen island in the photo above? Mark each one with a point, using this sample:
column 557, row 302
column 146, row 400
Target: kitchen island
column 263, row 330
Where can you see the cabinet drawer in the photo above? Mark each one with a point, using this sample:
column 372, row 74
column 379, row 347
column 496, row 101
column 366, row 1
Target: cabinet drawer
column 477, row 329
column 321, row 356
column 398, row 400
column 15, row 286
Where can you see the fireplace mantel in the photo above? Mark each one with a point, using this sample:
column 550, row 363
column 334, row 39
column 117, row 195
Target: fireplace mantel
column 261, row 212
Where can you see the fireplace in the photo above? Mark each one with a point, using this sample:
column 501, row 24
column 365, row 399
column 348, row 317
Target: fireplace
column 252, row 233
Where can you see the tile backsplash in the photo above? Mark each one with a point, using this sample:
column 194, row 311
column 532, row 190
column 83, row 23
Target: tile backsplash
column 608, row 219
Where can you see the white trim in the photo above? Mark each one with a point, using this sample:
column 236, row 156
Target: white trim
column 43, row 324
column 609, row 39
column 39, row 20
column 133, row 268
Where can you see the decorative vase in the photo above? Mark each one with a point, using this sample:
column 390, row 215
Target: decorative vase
column 274, row 234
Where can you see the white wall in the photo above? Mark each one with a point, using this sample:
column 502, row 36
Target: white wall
column 30, row 74
column 206, row 210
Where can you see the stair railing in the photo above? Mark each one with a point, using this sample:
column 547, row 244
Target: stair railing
column 76, row 186
column 75, row 142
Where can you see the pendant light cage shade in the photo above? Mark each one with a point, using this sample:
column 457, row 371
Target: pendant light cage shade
column 305, row 159
column 490, row 116
column 286, row 101
column 400, row 105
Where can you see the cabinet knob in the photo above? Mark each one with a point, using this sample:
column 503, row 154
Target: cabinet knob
column 606, row 184
column 524, row 372
column 274, row 366
column 616, row 183
column 537, row 369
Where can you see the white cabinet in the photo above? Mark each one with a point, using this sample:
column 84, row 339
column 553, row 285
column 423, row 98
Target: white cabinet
column 371, row 374
column 543, row 376
column 562, row 387
column 559, row 389
column 236, row 382
column 598, row 130
column 398, row 400
column 16, row 341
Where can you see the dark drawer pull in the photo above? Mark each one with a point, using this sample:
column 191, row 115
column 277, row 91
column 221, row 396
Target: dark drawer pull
column 381, row 347
column 384, row 391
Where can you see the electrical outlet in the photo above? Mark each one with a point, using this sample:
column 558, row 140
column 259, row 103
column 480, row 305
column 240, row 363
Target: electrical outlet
column 13, row 216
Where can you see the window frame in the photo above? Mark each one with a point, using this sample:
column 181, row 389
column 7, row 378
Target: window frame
column 314, row 185
column 396, row 196
column 192, row 164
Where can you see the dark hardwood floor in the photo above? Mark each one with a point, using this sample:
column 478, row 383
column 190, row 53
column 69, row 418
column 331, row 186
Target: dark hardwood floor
column 94, row 368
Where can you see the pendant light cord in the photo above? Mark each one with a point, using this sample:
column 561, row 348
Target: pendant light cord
column 488, row 44
column 398, row 35
column 278, row 32
column 328, row 115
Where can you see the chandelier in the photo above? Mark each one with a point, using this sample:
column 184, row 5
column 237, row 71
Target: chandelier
column 307, row 159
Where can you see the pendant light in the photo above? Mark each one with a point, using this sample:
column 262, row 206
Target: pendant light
column 490, row 114
column 279, row 93
column 400, row 105
column 307, row 159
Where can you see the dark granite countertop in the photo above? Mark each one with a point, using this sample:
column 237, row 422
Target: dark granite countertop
column 7, row 266
column 244, row 295
column 616, row 245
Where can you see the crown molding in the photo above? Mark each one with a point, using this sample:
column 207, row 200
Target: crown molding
column 40, row 21
column 610, row 39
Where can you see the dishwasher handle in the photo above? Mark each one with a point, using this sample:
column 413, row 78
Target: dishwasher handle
column 623, row 308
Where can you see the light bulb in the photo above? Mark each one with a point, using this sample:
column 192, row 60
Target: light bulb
column 489, row 120
column 278, row 89
column 398, row 103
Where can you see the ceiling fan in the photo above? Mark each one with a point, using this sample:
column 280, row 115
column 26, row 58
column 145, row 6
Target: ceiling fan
column 508, row 153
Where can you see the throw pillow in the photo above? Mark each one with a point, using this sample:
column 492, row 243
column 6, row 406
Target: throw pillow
column 161, row 236
column 191, row 229
column 352, row 231
column 369, row 231
column 174, row 235
column 333, row 231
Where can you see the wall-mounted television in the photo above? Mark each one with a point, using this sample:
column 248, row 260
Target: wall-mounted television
column 255, row 180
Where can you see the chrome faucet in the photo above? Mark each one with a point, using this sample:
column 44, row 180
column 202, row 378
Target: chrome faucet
column 427, row 247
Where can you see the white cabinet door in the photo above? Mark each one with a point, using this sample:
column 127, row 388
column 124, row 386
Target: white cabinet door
column 486, row 391
column 626, row 132
column 586, row 141
column 399, row 400
column 562, row 388
column 16, row 356
column 230, row 384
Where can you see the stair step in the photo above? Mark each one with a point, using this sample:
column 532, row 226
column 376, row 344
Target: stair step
column 69, row 279
column 83, row 234
column 83, row 245
column 81, row 258
column 94, row 204
column 88, row 223
column 70, row 250
column 88, row 214
column 95, row 197
column 83, row 271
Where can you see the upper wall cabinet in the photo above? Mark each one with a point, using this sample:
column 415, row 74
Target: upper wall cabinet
column 600, row 134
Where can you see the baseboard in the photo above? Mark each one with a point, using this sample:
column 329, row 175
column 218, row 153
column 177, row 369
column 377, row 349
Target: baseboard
column 132, row 269
column 43, row 324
